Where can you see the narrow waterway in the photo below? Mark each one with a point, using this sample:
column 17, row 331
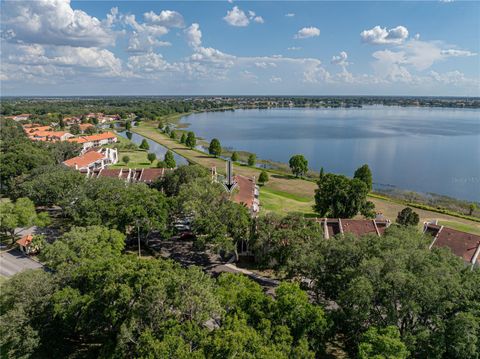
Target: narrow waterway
column 155, row 147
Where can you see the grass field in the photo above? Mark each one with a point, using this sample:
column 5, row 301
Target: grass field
column 284, row 193
column 138, row 159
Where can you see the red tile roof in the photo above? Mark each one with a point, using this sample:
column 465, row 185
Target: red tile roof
column 462, row 244
column 149, row 175
column 357, row 227
column 84, row 160
column 96, row 137
column 246, row 191
column 25, row 240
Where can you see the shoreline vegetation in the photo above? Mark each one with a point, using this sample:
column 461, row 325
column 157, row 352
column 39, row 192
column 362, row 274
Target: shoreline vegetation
column 284, row 193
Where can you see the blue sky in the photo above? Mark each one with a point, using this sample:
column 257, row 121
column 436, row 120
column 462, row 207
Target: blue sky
column 58, row 47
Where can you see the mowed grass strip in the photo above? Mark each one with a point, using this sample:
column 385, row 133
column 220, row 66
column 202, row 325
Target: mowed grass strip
column 284, row 193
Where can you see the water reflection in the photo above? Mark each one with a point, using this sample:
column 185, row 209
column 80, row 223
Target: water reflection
column 422, row 149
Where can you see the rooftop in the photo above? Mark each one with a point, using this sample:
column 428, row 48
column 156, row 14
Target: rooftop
column 84, row 160
column 462, row 244
column 25, row 240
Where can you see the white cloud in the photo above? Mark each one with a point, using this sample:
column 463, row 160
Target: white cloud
column 275, row 79
column 264, row 65
column 457, row 53
column 249, row 75
column 166, row 18
column 60, row 61
column 52, row 22
column 258, row 19
column 148, row 63
column 379, row 35
column 150, row 29
column 341, row 59
column 294, row 48
column 194, row 35
column 140, row 42
column 307, row 32
column 290, row 14
column 236, row 17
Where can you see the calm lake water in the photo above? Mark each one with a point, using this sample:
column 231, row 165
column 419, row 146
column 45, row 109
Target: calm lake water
column 433, row 150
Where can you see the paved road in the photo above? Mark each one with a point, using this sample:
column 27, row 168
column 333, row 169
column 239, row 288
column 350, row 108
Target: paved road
column 15, row 261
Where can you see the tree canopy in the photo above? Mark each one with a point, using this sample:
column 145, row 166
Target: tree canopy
column 340, row 197
column 215, row 148
column 407, row 217
column 364, row 174
column 299, row 165
column 191, row 141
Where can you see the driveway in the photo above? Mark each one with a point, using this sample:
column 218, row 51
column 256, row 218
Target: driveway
column 14, row 261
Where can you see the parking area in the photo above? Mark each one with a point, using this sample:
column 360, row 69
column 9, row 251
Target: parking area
column 14, row 261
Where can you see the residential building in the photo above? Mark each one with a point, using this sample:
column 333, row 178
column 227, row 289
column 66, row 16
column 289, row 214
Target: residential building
column 72, row 120
column 462, row 244
column 85, row 126
column 358, row 227
column 93, row 159
column 247, row 194
column 96, row 140
column 129, row 175
column 21, row 117
column 25, row 244
column 50, row 136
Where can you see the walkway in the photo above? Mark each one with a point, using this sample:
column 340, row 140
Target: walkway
column 14, row 261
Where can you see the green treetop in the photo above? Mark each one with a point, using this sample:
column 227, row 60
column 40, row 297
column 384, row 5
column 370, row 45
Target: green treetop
column 298, row 165
column 215, row 148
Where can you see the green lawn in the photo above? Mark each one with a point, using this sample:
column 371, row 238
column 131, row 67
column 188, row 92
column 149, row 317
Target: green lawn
column 281, row 202
column 138, row 159
column 460, row 226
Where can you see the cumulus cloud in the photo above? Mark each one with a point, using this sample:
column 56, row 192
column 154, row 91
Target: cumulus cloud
column 194, row 35
column 167, row 18
column 294, row 48
column 52, row 22
column 140, row 42
column 380, row 35
column 307, row 32
column 236, row 17
column 149, row 63
column 275, row 79
column 290, row 14
column 62, row 60
column 340, row 59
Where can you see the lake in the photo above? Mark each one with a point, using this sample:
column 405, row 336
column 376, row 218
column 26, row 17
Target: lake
column 434, row 150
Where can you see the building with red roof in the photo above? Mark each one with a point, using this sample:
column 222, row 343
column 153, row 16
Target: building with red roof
column 95, row 140
column 247, row 193
column 462, row 244
column 358, row 227
column 94, row 159
column 25, row 244
column 129, row 175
